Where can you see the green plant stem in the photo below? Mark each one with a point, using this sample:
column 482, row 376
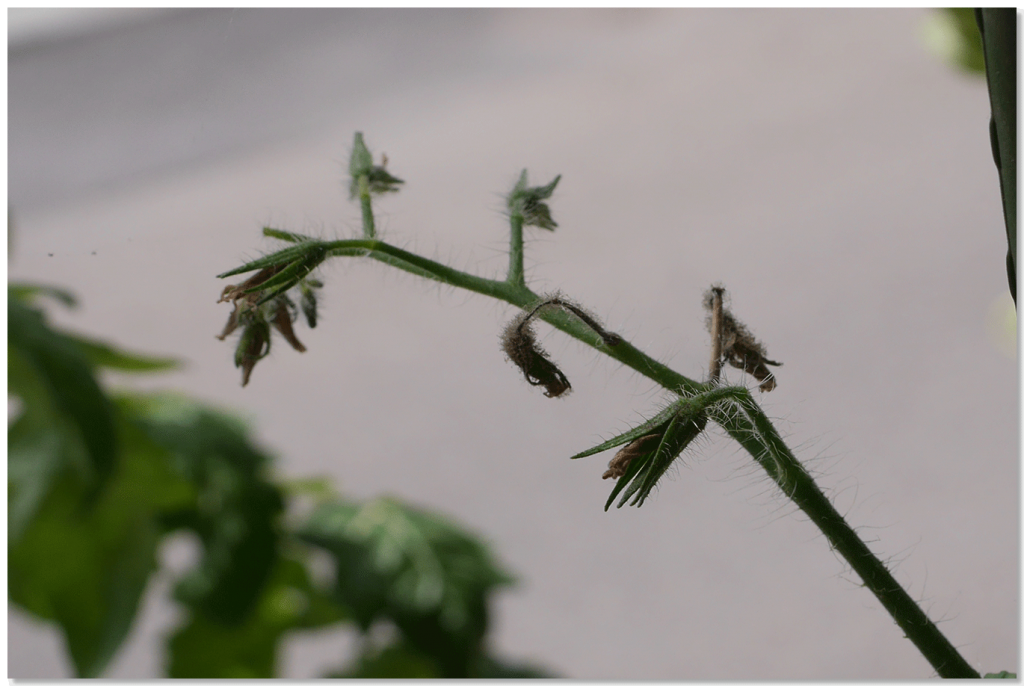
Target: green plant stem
column 749, row 426
column 366, row 203
column 516, row 277
column 742, row 419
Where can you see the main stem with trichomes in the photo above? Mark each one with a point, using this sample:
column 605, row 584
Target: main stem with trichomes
column 741, row 417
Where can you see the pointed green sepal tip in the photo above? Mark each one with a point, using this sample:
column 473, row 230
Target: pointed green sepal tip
column 652, row 447
column 528, row 203
column 361, row 160
column 378, row 179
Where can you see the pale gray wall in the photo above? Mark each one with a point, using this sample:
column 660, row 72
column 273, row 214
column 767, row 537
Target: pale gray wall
column 833, row 174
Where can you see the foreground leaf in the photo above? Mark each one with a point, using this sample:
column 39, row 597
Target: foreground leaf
column 412, row 567
column 64, row 392
column 204, row 648
column 238, row 507
column 86, row 568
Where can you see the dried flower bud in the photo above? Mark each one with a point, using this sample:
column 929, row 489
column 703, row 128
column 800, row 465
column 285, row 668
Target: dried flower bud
column 283, row 322
column 620, row 462
column 741, row 349
column 520, row 344
column 232, row 324
column 233, row 293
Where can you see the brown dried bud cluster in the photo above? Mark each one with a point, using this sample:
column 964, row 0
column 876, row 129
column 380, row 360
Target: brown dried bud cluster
column 739, row 347
column 256, row 321
column 618, row 465
column 519, row 342
column 236, row 293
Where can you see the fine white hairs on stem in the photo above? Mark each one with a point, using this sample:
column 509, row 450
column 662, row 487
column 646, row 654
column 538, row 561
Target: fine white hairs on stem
column 732, row 342
column 519, row 341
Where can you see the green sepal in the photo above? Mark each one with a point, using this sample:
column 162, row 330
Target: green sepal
column 308, row 301
column 682, row 430
column 634, row 433
column 290, row 275
column 361, row 160
column 631, row 471
column 527, row 202
column 285, row 235
column 285, row 256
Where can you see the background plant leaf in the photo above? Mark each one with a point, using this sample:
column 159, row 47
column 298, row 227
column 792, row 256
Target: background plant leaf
column 414, row 568
column 86, row 567
column 64, row 391
column 203, row 648
column 237, row 510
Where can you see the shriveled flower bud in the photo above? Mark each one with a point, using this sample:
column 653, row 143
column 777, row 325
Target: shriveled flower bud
column 234, row 293
column 520, row 345
column 620, row 462
column 283, row 322
column 740, row 348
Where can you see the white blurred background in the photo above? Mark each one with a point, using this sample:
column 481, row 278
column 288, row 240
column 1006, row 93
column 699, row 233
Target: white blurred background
column 823, row 165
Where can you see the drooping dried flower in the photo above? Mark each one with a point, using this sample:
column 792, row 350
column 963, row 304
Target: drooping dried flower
column 519, row 342
column 283, row 322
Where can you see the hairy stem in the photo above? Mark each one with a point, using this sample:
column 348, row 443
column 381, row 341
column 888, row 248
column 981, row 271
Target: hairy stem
column 748, row 425
column 715, row 366
column 750, row 428
column 739, row 415
column 366, row 203
column 516, row 276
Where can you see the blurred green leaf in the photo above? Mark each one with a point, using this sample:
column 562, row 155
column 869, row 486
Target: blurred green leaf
column 395, row 661
column 99, row 354
column 952, row 34
column 206, row 649
column 1000, row 675
column 54, row 380
column 86, row 568
column 26, row 292
column 412, row 567
column 237, row 508
column 998, row 27
column 399, row 660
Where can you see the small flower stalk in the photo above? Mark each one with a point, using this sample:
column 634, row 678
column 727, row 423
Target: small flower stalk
column 732, row 342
